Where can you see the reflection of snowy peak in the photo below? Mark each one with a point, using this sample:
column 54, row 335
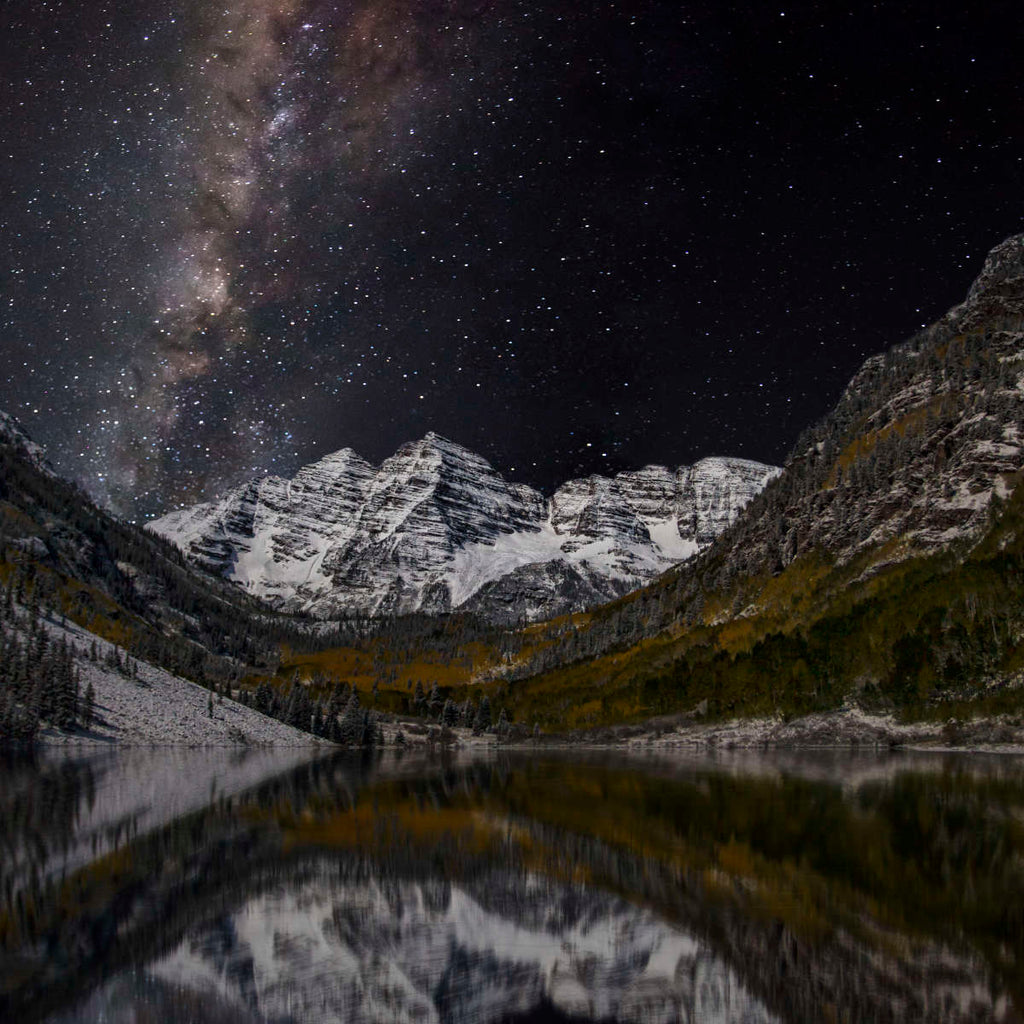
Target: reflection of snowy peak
column 399, row 952
column 435, row 527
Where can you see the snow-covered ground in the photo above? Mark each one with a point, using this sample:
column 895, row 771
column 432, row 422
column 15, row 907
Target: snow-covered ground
column 848, row 727
column 159, row 708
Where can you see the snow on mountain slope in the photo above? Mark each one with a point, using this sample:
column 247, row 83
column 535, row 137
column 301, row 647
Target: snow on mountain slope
column 435, row 527
column 476, row 565
column 157, row 708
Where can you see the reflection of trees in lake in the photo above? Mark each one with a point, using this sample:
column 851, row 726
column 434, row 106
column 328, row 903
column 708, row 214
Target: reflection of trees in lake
column 61, row 933
column 896, row 898
column 40, row 808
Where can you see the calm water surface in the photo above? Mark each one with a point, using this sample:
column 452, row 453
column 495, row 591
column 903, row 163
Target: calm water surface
column 216, row 886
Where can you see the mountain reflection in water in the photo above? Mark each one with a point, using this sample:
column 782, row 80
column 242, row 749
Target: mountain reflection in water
column 732, row 888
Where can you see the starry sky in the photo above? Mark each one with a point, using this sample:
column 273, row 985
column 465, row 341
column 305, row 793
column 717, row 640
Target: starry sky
column 573, row 237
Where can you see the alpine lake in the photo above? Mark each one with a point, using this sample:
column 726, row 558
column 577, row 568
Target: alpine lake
column 234, row 885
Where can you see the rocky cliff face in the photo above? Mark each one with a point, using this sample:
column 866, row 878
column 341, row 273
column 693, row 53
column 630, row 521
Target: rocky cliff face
column 922, row 442
column 435, row 527
column 13, row 435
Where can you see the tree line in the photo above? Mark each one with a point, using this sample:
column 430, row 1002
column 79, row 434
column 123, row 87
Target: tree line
column 40, row 681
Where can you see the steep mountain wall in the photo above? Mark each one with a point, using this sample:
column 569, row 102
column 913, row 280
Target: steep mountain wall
column 885, row 561
column 436, row 527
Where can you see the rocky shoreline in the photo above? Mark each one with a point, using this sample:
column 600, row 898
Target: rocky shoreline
column 844, row 728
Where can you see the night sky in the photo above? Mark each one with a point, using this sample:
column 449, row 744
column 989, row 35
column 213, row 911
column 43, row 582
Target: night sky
column 574, row 237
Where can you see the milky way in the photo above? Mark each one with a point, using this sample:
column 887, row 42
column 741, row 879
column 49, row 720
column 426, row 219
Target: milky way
column 574, row 238
column 295, row 111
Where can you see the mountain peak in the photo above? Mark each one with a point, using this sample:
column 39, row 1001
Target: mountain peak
column 1005, row 259
column 433, row 437
column 342, row 457
column 344, row 465
column 14, row 434
column 997, row 293
column 433, row 441
column 435, row 524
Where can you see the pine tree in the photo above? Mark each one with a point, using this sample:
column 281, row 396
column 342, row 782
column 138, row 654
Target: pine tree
column 89, row 704
column 335, row 707
column 291, row 710
column 263, row 700
column 449, row 714
column 368, row 733
column 482, row 721
column 62, row 674
column 299, row 709
column 334, row 730
column 35, row 703
column 434, row 703
column 351, row 729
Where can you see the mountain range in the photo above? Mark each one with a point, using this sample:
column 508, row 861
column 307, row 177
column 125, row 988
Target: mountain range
column 436, row 528
column 883, row 565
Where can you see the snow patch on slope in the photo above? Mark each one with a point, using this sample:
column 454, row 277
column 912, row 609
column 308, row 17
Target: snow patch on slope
column 669, row 541
column 476, row 565
column 159, row 708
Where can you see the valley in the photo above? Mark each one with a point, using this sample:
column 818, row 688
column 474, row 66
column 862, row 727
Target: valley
column 881, row 569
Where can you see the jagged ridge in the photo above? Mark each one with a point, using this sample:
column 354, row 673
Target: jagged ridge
column 436, row 527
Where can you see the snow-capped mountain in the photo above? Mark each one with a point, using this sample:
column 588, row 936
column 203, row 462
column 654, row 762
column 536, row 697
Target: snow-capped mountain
column 435, row 527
